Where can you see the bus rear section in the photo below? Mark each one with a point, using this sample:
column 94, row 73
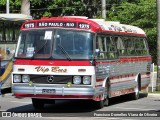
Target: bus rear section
column 70, row 58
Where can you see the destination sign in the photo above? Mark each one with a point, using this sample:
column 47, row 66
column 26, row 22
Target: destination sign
column 84, row 26
column 79, row 25
column 57, row 24
column 29, row 25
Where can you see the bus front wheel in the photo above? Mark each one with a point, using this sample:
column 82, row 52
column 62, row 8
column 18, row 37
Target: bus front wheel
column 100, row 104
column 38, row 103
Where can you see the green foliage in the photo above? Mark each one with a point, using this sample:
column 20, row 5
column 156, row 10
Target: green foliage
column 49, row 8
column 15, row 6
column 141, row 13
column 3, row 2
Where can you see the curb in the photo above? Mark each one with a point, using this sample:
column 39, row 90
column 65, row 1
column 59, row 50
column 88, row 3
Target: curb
column 153, row 94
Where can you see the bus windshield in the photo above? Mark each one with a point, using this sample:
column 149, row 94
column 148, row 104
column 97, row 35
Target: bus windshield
column 55, row 44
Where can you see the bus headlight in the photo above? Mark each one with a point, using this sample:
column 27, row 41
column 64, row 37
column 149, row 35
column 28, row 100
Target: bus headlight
column 25, row 78
column 76, row 80
column 86, row 80
column 17, row 78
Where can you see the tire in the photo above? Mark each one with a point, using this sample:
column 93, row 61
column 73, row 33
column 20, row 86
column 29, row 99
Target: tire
column 38, row 103
column 146, row 94
column 100, row 104
column 135, row 95
column 106, row 102
column 106, row 97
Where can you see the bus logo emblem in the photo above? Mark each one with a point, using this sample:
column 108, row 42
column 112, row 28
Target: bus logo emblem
column 50, row 79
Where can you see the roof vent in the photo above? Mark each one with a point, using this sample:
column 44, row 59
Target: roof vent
column 97, row 19
column 84, row 17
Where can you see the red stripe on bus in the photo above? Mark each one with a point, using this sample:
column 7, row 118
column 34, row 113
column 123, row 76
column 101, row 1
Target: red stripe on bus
column 144, row 87
column 54, row 96
column 136, row 59
column 77, row 63
column 99, row 80
column 121, row 77
column 52, row 62
column 122, row 81
column 122, row 92
column 127, row 59
column 124, row 76
column 98, row 86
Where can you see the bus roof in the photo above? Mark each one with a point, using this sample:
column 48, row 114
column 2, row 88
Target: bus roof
column 15, row 17
column 117, row 26
column 83, row 23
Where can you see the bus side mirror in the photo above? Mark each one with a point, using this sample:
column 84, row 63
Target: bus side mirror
column 97, row 53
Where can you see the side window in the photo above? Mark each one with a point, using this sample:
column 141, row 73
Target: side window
column 111, row 48
column 121, row 46
column 100, row 44
column 131, row 46
column 141, row 46
column 145, row 50
column 129, row 43
column 107, row 47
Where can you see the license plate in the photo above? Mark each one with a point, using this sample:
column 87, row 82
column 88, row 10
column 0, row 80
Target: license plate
column 49, row 91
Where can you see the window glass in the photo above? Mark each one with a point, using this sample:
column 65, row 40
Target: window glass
column 33, row 44
column 121, row 46
column 9, row 31
column 141, row 46
column 55, row 44
column 131, row 46
column 111, row 48
column 73, row 44
column 101, row 46
column 107, row 48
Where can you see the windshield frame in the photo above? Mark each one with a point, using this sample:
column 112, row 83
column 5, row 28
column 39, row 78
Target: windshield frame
column 51, row 56
column 33, row 51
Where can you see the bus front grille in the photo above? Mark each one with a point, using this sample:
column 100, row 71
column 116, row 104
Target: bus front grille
column 50, row 79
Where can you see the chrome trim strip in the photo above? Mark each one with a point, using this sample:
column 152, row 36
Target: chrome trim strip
column 59, row 90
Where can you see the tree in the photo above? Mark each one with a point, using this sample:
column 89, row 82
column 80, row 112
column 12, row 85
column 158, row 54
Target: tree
column 141, row 13
column 14, row 6
column 158, row 46
column 25, row 7
column 49, row 8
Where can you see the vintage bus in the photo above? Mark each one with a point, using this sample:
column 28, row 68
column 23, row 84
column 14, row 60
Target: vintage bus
column 79, row 58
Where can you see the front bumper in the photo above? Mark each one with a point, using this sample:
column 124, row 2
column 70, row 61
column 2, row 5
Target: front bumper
column 61, row 92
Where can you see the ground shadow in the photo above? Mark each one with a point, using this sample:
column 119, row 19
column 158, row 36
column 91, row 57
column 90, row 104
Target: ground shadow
column 70, row 107
column 67, row 107
column 125, row 98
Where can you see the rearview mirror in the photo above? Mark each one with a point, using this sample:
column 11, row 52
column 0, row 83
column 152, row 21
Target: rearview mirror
column 97, row 52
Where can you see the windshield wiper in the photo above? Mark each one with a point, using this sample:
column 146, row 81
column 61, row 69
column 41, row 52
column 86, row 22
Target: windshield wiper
column 39, row 49
column 64, row 51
